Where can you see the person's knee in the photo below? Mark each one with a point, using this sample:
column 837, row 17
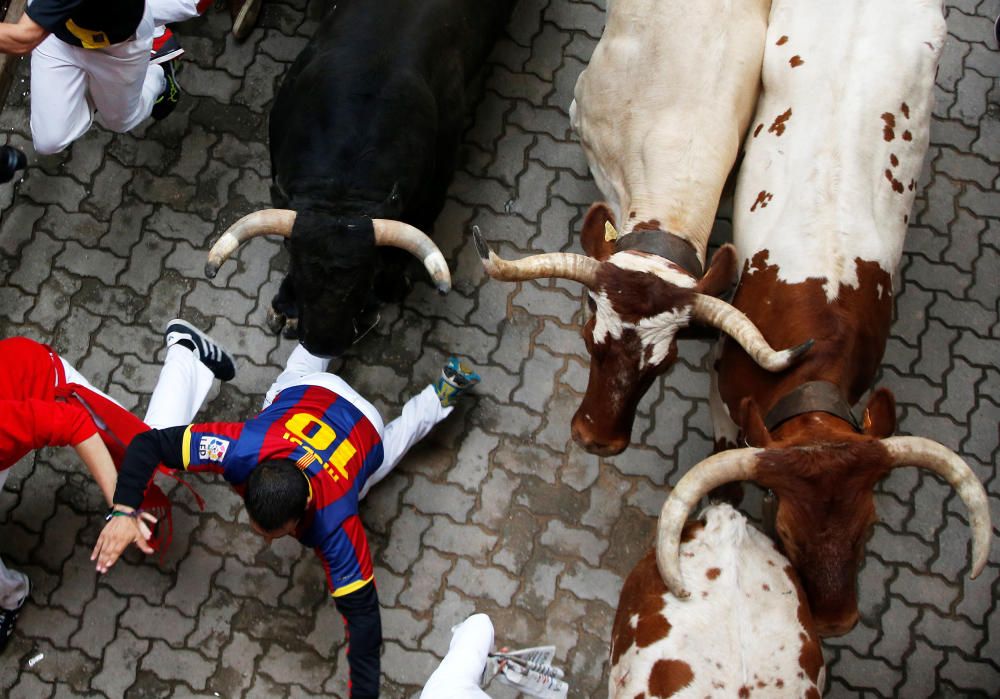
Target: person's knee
column 49, row 143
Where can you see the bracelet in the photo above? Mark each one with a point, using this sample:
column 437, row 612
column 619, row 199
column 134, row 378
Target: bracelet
column 112, row 513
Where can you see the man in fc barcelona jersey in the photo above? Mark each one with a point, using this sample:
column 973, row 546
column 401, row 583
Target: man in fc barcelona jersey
column 301, row 466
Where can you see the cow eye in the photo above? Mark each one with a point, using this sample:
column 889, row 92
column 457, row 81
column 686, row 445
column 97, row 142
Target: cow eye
column 591, row 304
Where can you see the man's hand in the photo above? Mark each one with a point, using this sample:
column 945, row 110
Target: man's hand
column 118, row 534
column 21, row 38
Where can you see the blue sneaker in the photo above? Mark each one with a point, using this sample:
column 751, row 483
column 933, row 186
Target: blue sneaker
column 456, row 379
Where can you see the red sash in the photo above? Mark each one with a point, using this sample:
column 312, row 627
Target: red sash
column 117, row 427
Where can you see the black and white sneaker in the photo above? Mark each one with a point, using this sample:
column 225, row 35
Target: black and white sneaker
column 210, row 353
column 8, row 619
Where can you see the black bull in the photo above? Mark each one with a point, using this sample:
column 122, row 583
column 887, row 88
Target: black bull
column 366, row 125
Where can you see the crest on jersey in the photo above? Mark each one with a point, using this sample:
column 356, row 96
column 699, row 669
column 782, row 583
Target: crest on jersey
column 212, row 449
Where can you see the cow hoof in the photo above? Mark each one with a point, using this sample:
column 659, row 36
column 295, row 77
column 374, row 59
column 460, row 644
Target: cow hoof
column 291, row 331
column 275, row 321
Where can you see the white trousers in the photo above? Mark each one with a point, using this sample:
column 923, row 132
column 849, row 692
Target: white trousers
column 420, row 414
column 458, row 675
column 181, row 389
column 68, row 82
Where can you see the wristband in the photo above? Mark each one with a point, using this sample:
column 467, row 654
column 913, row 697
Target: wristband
column 112, row 513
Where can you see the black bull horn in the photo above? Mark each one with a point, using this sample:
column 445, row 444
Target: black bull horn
column 280, row 221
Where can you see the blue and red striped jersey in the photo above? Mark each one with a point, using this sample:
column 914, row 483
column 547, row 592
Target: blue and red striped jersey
column 333, row 443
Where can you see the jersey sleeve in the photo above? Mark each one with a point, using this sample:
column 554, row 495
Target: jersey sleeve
column 32, row 424
column 209, row 446
column 346, row 558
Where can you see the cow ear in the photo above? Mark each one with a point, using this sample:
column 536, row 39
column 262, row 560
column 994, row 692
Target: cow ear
column 721, row 273
column 880, row 414
column 593, row 237
column 755, row 433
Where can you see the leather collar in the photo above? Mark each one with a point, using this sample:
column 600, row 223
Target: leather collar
column 811, row 397
column 666, row 245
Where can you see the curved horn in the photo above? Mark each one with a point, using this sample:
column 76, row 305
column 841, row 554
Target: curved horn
column 718, row 469
column 402, row 235
column 266, row 222
column 930, row 455
column 727, row 318
column 564, row 265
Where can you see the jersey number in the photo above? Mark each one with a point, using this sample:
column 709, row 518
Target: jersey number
column 314, row 436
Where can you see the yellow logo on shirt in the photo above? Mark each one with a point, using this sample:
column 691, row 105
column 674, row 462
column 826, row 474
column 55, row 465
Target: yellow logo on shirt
column 314, row 435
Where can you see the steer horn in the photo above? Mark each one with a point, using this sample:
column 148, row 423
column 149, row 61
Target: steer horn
column 932, row 456
column 709, row 310
column 266, row 222
column 280, row 222
column 718, row 469
column 397, row 234
column 564, row 265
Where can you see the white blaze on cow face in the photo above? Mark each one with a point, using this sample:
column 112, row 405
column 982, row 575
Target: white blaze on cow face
column 656, row 333
column 745, row 627
column 838, row 141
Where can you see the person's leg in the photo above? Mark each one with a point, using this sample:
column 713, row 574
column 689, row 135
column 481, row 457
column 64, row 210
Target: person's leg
column 74, row 376
column 60, row 112
column 13, row 584
column 123, row 84
column 420, row 414
column 193, row 361
column 181, row 389
column 300, row 363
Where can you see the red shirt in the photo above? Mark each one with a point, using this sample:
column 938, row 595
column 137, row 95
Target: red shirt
column 31, row 416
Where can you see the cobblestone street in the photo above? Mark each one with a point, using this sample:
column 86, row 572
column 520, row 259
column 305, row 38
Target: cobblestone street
column 497, row 511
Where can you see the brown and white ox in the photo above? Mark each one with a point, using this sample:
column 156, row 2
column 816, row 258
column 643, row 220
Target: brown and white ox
column 746, row 630
column 820, row 212
column 660, row 111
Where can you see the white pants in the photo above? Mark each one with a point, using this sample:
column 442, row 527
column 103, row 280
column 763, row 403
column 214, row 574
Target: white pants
column 420, row 413
column 458, row 675
column 68, row 82
column 181, row 389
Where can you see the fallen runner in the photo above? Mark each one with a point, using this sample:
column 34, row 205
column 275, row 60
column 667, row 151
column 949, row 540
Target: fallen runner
column 301, row 465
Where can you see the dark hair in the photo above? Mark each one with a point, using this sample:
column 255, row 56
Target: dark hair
column 276, row 494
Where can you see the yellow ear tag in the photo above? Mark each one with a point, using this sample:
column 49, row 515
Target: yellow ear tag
column 609, row 232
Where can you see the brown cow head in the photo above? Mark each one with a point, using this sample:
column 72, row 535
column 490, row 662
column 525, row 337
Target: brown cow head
column 825, row 497
column 639, row 302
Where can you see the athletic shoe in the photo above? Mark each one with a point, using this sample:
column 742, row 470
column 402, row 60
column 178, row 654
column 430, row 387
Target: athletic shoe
column 8, row 619
column 210, row 353
column 456, row 379
column 245, row 17
column 165, row 48
column 171, row 95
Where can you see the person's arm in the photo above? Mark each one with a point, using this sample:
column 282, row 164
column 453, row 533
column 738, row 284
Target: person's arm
column 364, row 639
column 95, row 455
column 21, row 38
column 349, row 575
column 144, row 453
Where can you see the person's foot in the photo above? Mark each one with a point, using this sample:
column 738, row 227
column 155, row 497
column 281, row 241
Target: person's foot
column 456, row 378
column 11, row 160
column 171, row 95
column 209, row 352
column 165, row 48
column 244, row 14
column 8, row 619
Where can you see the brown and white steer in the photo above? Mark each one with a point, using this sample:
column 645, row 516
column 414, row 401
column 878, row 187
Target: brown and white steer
column 821, row 209
column 745, row 632
column 660, row 111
